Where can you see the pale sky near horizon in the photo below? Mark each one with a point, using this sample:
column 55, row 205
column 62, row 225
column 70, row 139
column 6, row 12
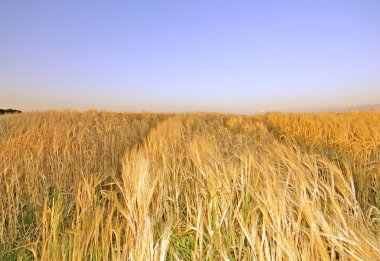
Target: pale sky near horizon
column 182, row 55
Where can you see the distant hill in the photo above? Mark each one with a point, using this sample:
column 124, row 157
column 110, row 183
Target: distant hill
column 369, row 107
column 2, row 111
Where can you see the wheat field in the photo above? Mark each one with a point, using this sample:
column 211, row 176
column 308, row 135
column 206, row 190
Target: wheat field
column 122, row 186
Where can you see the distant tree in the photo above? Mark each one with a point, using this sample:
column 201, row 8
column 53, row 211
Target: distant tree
column 9, row 111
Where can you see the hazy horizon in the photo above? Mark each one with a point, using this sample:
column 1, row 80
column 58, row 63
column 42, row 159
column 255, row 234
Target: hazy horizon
column 176, row 56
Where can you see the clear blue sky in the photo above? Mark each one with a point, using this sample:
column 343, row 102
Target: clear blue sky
column 189, row 55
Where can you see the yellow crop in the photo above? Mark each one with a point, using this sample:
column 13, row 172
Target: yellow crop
column 110, row 186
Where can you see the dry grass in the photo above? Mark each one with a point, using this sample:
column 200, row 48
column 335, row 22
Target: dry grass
column 99, row 186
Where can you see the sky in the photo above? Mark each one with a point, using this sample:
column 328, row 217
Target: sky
column 189, row 55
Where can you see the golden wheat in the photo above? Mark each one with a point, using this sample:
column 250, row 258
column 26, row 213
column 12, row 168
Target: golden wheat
column 102, row 186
